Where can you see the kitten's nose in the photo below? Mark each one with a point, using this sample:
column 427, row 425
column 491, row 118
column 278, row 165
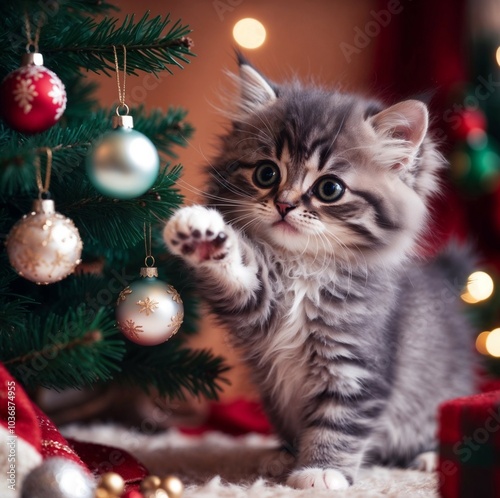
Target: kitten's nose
column 284, row 207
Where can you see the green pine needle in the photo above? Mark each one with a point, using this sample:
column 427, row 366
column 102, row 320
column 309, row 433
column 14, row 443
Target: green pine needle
column 61, row 352
column 173, row 371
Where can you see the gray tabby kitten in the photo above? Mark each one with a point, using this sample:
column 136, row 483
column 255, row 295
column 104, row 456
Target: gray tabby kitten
column 318, row 199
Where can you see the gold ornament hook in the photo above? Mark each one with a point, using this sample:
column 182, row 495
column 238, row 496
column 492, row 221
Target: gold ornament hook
column 121, row 90
column 147, row 246
column 32, row 42
column 43, row 186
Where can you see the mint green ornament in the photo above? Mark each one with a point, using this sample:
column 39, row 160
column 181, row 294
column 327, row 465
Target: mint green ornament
column 124, row 163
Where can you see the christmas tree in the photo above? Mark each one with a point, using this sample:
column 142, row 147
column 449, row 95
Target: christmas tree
column 472, row 120
column 65, row 334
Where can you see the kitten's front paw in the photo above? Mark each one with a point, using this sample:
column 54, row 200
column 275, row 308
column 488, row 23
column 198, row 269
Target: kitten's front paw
column 427, row 461
column 197, row 234
column 318, row 479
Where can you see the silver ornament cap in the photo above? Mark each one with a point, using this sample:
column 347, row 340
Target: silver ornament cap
column 149, row 311
column 44, row 246
column 125, row 121
column 32, row 59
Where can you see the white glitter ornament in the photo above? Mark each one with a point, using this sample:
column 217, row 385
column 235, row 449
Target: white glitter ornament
column 149, row 311
column 44, row 246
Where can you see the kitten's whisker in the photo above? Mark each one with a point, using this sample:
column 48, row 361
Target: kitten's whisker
column 223, row 182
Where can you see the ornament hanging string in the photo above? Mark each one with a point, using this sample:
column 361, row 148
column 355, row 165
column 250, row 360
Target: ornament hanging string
column 121, row 90
column 43, row 186
column 147, row 246
column 32, row 42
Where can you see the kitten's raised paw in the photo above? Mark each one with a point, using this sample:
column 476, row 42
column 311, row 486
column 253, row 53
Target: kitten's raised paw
column 427, row 461
column 197, row 234
column 318, row 479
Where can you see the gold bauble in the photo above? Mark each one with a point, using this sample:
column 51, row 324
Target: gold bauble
column 150, row 483
column 156, row 493
column 103, row 493
column 44, row 246
column 173, row 486
column 112, row 482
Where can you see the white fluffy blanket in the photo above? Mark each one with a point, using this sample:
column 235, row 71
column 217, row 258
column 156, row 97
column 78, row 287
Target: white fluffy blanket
column 219, row 466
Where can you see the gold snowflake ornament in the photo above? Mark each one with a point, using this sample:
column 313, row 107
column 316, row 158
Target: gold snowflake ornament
column 130, row 329
column 123, row 295
column 147, row 305
column 176, row 322
column 172, row 291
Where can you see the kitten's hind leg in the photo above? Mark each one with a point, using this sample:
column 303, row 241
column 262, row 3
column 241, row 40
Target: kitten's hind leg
column 426, row 461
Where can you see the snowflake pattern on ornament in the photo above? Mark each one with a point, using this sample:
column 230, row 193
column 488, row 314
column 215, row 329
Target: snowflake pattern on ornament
column 148, row 305
column 129, row 328
column 24, row 93
column 32, row 72
column 58, row 94
column 123, row 295
column 172, row 291
column 176, row 322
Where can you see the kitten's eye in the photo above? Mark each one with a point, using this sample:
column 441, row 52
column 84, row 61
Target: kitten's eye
column 266, row 175
column 329, row 189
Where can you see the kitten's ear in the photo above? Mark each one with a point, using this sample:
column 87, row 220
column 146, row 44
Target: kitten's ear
column 402, row 128
column 255, row 90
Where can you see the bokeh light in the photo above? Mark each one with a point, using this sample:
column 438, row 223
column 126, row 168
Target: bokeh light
column 479, row 287
column 249, row 33
column 481, row 342
column 493, row 343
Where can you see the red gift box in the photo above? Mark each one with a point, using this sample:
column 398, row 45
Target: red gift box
column 469, row 447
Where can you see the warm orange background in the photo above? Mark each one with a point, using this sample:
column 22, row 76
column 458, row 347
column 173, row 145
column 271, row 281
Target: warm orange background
column 303, row 39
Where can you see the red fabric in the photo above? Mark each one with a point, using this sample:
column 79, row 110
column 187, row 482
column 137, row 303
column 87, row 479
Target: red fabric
column 15, row 402
column 52, row 442
column 101, row 459
column 235, row 418
column 32, row 425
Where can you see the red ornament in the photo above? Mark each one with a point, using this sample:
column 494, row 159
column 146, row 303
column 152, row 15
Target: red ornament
column 32, row 98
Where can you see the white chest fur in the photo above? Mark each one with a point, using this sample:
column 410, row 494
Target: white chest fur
column 284, row 351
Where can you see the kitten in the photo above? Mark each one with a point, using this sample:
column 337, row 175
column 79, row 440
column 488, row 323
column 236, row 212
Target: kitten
column 306, row 253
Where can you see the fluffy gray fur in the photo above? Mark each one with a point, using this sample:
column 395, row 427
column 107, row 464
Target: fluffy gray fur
column 306, row 252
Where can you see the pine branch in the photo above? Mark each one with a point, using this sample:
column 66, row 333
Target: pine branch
column 90, row 45
column 82, row 101
column 60, row 352
column 119, row 223
column 13, row 306
column 164, row 129
column 53, row 18
column 71, row 145
column 172, row 370
column 70, row 41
